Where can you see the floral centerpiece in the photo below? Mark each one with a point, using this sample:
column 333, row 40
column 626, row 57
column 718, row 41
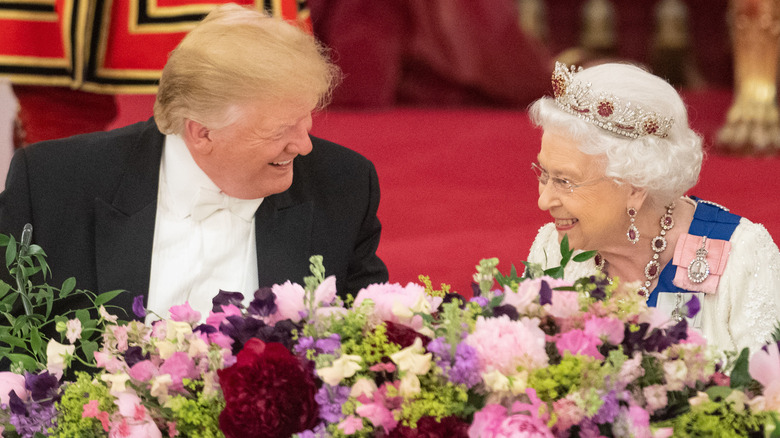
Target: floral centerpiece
column 531, row 356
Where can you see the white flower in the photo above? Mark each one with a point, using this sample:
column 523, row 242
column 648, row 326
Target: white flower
column 165, row 349
column 117, row 381
column 73, row 330
column 160, row 386
column 412, row 359
column 58, row 357
column 495, row 381
column 410, row 385
column 363, row 386
column 177, row 330
column 345, row 366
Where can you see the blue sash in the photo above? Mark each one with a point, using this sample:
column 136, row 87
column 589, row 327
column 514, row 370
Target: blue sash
column 708, row 220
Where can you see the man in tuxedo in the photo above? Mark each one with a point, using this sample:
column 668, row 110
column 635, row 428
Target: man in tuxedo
column 223, row 189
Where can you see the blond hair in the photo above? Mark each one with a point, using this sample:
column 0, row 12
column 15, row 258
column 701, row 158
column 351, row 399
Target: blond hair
column 238, row 56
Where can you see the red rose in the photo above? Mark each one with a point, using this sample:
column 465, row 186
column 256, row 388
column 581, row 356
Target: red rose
column 269, row 392
column 428, row 427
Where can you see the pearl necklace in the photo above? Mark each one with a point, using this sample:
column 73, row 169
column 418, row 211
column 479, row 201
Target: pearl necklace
column 658, row 245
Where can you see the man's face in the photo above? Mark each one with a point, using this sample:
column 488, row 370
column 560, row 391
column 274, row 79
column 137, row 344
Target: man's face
column 253, row 157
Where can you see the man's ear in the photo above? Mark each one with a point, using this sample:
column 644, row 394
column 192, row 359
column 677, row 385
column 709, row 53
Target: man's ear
column 197, row 137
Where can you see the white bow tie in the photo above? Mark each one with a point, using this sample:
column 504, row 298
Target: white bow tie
column 209, row 202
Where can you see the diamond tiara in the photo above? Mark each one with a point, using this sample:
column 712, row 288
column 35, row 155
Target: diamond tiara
column 605, row 110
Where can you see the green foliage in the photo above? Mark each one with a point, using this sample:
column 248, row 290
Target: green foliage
column 197, row 418
column 434, row 400
column 71, row 406
column 27, row 309
column 719, row 416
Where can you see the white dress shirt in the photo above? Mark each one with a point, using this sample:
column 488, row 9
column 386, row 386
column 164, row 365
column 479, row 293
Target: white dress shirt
column 194, row 257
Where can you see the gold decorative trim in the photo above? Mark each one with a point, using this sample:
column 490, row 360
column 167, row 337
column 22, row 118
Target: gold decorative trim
column 31, row 61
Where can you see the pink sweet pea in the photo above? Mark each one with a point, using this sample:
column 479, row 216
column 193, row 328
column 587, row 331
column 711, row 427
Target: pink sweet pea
column 179, row 366
column 578, row 342
column 289, row 302
column 185, row 313
column 378, row 415
column 143, row 371
column 12, row 382
column 764, row 366
column 215, row 318
column 350, row 425
column 611, row 330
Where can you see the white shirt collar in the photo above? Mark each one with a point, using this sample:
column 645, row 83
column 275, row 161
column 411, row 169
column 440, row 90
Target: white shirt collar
column 181, row 180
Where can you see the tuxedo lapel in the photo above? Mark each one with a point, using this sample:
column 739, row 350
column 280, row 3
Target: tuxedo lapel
column 283, row 232
column 124, row 225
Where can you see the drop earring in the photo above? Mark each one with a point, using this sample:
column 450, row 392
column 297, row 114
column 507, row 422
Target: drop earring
column 633, row 232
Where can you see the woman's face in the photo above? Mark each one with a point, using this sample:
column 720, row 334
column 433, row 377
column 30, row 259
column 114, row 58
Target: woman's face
column 593, row 213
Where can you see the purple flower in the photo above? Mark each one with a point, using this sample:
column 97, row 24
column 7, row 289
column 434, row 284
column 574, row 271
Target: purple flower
column 481, row 301
column 328, row 345
column 609, row 410
column 693, row 306
column 330, row 399
column 43, row 387
column 545, row 293
column 264, row 303
column 465, row 370
column 225, row 298
column 507, row 310
column 318, row 432
column 138, row 306
column 304, row 344
column 134, row 354
column 39, row 419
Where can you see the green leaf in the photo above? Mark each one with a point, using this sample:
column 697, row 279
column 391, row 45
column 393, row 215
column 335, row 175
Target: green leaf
column 67, row 287
column 4, row 239
column 83, row 315
column 13, row 341
column 583, row 256
column 106, row 297
column 89, row 348
column 554, row 272
column 740, row 376
column 28, row 362
column 10, row 252
column 718, row 392
column 35, row 340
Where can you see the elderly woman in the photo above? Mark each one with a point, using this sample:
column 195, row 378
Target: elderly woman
column 616, row 158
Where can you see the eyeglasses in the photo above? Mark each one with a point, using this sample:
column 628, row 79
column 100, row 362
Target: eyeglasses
column 561, row 185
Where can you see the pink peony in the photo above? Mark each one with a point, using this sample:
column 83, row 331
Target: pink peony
column 493, row 421
column 569, row 414
column 564, row 304
column 395, row 303
column 185, row 313
column 504, row 345
column 12, row 382
column 610, row 330
column 578, row 342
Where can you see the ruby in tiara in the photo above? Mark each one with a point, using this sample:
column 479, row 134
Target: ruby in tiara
column 605, row 110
